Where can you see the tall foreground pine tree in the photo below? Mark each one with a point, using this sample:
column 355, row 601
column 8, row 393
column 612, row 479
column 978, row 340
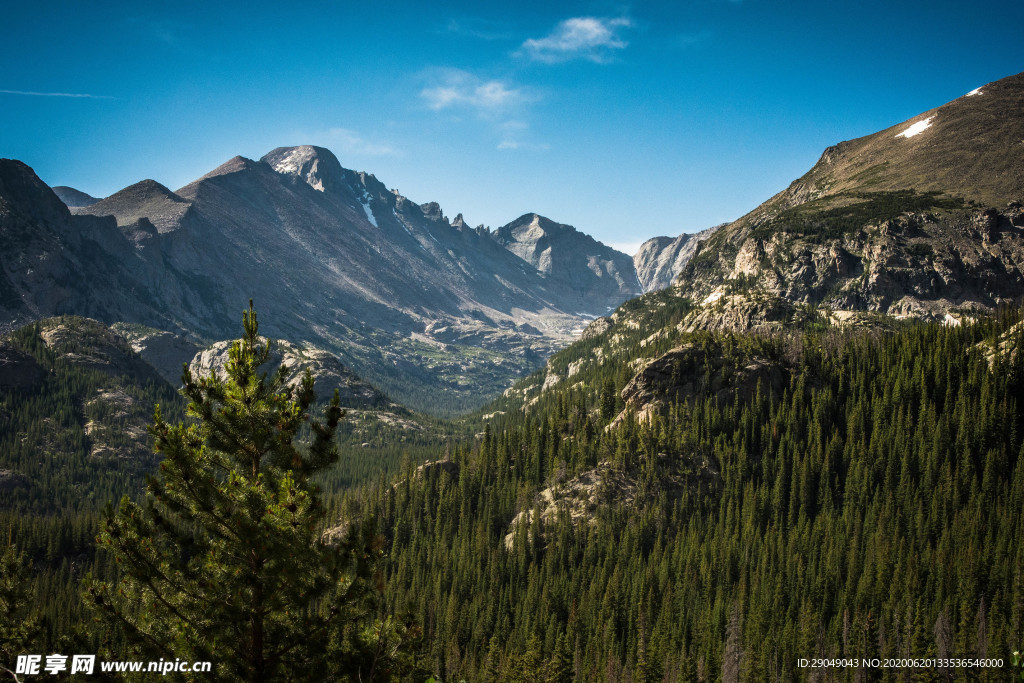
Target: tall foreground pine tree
column 225, row 562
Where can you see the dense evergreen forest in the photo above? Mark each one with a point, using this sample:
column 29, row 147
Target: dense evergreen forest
column 871, row 508
column 864, row 498
column 56, row 485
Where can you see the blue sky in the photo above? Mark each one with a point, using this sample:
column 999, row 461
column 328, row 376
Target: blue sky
column 625, row 120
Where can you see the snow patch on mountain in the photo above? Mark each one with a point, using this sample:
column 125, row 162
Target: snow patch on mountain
column 364, row 201
column 369, row 213
column 916, row 128
column 289, row 164
column 976, row 91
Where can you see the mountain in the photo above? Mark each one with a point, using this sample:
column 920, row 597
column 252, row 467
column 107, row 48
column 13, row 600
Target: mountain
column 776, row 441
column 54, row 263
column 573, row 262
column 72, row 197
column 968, row 148
column 660, row 259
column 437, row 314
column 75, row 401
column 923, row 219
column 146, row 203
column 733, row 473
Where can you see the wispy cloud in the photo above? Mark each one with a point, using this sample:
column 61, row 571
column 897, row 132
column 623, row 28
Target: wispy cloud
column 591, row 38
column 514, row 135
column 173, row 34
column 32, row 93
column 476, row 27
column 345, row 141
column 695, row 39
column 459, row 88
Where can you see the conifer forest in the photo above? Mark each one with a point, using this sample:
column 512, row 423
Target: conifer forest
column 817, row 494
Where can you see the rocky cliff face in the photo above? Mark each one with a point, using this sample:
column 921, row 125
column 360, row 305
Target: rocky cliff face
column 582, row 270
column 923, row 219
column 329, row 374
column 680, row 375
column 660, row 259
column 939, row 264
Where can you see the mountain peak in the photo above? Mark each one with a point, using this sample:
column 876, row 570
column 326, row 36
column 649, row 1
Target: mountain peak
column 969, row 147
column 532, row 230
column 25, row 192
column 317, row 166
column 432, row 211
column 143, row 190
column 145, row 199
column 562, row 253
column 72, row 197
column 232, row 165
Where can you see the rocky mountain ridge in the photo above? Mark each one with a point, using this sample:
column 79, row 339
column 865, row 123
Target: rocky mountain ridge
column 848, row 254
column 660, row 259
column 413, row 301
column 554, row 250
column 923, row 219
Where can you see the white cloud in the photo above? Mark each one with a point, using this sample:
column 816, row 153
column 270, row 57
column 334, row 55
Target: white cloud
column 344, row 141
column 590, row 38
column 515, row 134
column 55, row 94
column 460, row 88
column 477, row 27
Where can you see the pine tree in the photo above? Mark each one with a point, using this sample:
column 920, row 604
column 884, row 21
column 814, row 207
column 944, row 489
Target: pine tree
column 608, row 400
column 225, row 561
column 559, row 667
column 20, row 625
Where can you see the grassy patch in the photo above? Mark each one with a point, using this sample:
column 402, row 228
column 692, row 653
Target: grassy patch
column 821, row 220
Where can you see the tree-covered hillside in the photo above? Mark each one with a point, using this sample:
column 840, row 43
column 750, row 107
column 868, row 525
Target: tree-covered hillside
column 871, row 506
column 656, row 504
column 74, row 405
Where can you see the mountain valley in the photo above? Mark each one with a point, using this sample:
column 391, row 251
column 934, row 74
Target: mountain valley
column 797, row 435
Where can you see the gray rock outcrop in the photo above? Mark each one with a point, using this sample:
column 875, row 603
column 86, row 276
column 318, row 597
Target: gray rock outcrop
column 660, row 259
column 328, row 372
